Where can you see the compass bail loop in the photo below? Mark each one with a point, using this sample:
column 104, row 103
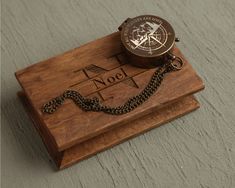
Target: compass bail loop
column 177, row 63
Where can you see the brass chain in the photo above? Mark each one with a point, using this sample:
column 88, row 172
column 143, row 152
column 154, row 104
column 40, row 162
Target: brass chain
column 94, row 104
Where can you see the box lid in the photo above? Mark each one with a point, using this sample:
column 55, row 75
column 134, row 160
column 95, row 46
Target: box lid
column 99, row 69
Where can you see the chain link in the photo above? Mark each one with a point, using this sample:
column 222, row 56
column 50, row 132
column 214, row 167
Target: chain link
column 94, row 104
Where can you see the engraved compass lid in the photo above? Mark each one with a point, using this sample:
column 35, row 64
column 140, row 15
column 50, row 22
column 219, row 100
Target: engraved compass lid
column 147, row 39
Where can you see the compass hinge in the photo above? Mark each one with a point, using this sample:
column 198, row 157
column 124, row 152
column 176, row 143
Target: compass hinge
column 123, row 23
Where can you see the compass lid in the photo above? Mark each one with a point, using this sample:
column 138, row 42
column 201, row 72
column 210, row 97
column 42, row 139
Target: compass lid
column 147, row 36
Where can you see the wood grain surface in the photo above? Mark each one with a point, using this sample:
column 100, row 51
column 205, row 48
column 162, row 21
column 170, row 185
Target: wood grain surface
column 114, row 136
column 70, row 125
column 197, row 150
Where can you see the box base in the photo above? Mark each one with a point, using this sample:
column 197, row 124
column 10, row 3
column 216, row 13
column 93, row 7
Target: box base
column 113, row 137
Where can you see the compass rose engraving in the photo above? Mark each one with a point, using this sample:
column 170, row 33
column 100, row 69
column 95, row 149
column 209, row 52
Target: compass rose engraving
column 148, row 36
column 147, row 40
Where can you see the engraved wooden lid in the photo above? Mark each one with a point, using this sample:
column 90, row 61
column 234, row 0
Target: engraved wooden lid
column 147, row 39
column 98, row 69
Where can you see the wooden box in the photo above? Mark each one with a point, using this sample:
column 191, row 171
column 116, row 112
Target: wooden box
column 100, row 69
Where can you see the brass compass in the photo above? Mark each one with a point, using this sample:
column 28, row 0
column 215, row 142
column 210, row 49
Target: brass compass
column 147, row 40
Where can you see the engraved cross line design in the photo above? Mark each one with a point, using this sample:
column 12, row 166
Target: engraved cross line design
column 101, row 83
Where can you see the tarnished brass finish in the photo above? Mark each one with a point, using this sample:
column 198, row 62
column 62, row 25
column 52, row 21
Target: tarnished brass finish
column 147, row 40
